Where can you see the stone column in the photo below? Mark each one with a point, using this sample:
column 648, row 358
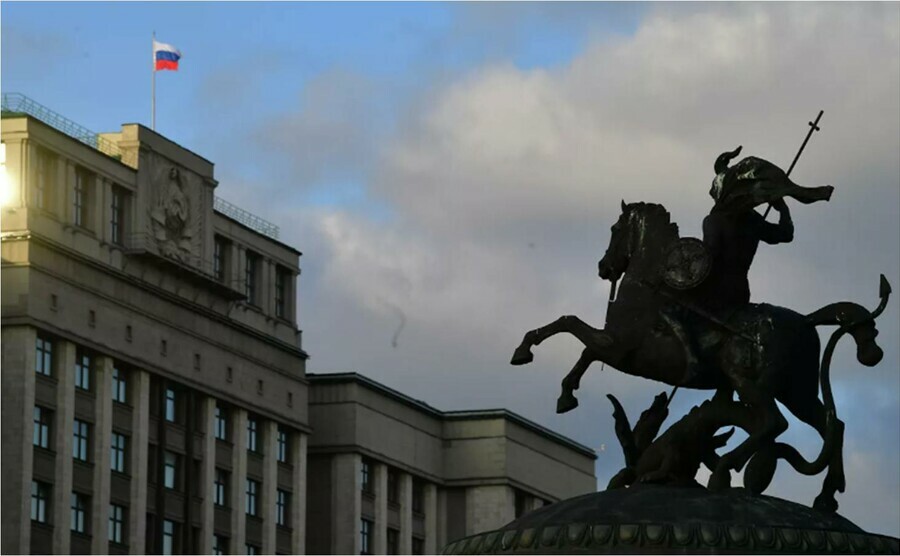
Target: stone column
column 431, row 519
column 270, row 485
column 406, row 529
column 298, row 497
column 346, row 504
column 102, row 439
column 64, row 371
column 207, row 475
column 379, row 533
column 138, row 460
column 239, row 483
column 18, row 407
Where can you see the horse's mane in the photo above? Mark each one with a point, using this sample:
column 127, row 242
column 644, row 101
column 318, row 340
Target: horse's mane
column 656, row 216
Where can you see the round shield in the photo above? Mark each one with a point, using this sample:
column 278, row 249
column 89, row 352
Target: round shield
column 687, row 263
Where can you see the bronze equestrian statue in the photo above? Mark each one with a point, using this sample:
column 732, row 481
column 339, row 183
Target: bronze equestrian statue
column 683, row 317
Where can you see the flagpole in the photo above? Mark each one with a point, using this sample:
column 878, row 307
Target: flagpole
column 153, row 93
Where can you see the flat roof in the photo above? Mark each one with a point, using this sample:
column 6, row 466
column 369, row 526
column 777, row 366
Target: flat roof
column 344, row 377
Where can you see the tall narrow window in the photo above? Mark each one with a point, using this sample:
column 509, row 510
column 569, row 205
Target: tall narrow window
column 393, row 486
column 282, row 502
column 43, row 363
column 170, row 466
column 280, row 292
column 171, row 413
column 418, row 545
column 250, row 277
column 251, row 549
column 252, row 427
column 80, row 440
column 366, row 476
column 365, row 536
column 81, row 198
column 40, row 494
column 116, row 523
column 418, row 496
column 220, row 247
column 219, row 487
column 221, row 424
column 118, row 385
column 220, row 545
column 117, row 452
column 117, row 216
column 393, row 541
column 282, row 445
column 79, row 506
column 252, row 491
column 168, row 544
column 41, row 436
column 46, row 166
column 82, row 369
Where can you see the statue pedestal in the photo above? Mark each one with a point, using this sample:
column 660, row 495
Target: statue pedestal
column 648, row 519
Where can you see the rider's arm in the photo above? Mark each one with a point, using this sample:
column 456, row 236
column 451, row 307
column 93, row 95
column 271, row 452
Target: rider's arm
column 783, row 232
column 711, row 235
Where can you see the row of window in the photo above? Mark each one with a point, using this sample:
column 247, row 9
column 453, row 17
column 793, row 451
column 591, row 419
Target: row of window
column 252, row 491
column 82, row 199
column 282, row 446
column 81, row 439
column 393, row 539
column 40, row 512
column 393, row 485
column 43, row 365
column 252, row 265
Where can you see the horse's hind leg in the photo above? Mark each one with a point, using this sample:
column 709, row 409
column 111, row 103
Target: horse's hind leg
column 812, row 412
column 589, row 336
column 567, row 401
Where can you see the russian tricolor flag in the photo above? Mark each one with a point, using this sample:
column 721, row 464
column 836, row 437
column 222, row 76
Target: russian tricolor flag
column 165, row 56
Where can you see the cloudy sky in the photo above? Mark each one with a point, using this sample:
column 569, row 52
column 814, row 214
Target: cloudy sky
column 455, row 169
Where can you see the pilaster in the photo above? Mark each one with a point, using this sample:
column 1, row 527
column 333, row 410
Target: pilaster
column 298, row 497
column 101, row 458
column 431, row 518
column 207, row 475
column 406, row 529
column 270, row 485
column 239, row 483
column 140, row 437
column 379, row 534
column 345, row 503
column 64, row 371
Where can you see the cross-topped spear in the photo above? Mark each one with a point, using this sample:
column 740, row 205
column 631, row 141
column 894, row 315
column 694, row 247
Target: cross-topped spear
column 813, row 126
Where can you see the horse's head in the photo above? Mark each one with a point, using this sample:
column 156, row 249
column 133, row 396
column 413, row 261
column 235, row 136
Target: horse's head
column 615, row 260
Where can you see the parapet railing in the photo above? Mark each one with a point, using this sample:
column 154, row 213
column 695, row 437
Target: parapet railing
column 21, row 104
column 250, row 220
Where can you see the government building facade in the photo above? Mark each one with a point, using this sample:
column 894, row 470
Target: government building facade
column 154, row 391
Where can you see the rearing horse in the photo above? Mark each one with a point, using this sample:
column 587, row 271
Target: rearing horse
column 763, row 352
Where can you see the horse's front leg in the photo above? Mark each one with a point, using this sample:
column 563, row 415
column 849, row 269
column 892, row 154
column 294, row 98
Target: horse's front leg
column 567, row 400
column 591, row 337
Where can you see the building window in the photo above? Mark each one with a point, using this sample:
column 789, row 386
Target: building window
column 365, row 536
column 116, row 523
column 221, row 424
column 283, row 451
column 251, row 270
column 418, row 496
column 220, row 247
column 118, row 385
column 252, row 427
column 282, row 501
column 252, row 491
column 117, row 452
column 281, row 292
column 252, row 548
column 418, row 546
column 117, row 216
column 393, row 486
column 393, row 541
column 40, row 494
column 520, row 500
column 168, row 544
column 219, row 486
column 80, row 437
column 81, row 198
column 171, row 414
column 41, row 436
column 46, row 166
column 169, row 469
column 219, row 545
column 43, row 363
column 82, row 370
column 79, row 506
column 366, row 476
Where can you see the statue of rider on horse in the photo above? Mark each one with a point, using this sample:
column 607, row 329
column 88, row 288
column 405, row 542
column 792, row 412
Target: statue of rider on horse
column 683, row 316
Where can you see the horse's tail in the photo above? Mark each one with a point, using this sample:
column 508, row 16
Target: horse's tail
column 853, row 319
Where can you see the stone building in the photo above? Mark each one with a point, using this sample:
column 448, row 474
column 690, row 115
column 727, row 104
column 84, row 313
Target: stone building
column 154, row 394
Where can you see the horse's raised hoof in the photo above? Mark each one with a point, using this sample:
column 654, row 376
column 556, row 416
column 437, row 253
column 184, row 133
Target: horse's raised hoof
column 566, row 402
column 825, row 503
column 719, row 481
column 522, row 356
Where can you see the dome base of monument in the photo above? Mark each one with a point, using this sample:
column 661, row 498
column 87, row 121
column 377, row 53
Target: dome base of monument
column 681, row 520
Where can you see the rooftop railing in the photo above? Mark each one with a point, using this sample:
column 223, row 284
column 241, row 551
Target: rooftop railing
column 18, row 103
